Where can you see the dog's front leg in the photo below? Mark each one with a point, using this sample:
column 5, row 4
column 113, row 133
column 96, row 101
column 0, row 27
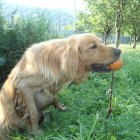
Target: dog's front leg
column 29, row 98
column 59, row 106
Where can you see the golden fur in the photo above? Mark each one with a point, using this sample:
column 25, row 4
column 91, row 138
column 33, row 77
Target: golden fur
column 43, row 70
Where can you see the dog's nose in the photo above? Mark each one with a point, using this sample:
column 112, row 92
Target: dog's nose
column 117, row 52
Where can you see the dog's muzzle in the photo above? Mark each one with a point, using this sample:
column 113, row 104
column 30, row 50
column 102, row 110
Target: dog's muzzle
column 104, row 67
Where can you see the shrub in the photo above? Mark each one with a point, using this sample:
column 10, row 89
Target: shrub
column 22, row 31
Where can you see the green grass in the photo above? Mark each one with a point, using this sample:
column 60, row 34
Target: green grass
column 88, row 102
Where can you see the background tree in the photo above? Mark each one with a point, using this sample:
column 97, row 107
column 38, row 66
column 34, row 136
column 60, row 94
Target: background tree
column 119, row 7
column 84, row 24
column 107, row 16
column 133, row 21
column 96, row 18
column 2, row 20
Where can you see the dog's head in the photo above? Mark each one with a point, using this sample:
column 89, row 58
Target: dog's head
column 95, row 54
column 86, row 51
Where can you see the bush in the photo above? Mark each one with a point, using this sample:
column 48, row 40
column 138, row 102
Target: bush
column 23, row 31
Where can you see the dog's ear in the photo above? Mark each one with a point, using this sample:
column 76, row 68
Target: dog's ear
column 70, row 61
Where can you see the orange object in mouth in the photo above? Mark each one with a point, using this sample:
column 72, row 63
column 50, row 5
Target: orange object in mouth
column 116, row 65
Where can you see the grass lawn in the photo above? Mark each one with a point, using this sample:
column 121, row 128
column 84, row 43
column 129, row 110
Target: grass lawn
column 88, row 102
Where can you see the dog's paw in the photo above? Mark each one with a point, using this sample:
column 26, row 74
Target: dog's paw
column 64, row 108
column 45, row 118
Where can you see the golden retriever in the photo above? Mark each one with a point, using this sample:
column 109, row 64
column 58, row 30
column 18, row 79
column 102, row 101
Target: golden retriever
column 43, row 70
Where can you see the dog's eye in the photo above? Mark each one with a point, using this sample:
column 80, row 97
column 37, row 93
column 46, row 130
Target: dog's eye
column 94, row 47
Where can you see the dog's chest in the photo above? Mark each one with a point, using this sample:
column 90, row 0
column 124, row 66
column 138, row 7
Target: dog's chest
column 56, row 86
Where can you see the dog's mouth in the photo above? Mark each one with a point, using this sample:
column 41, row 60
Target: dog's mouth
column 102, row 68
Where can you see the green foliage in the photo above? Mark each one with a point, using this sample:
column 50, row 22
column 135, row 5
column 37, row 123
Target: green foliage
column 2, row 19
column 98, row 17
column 109, row 16
column 133, row 20
column 23, row 31
column 83, row 24
column 88, row 102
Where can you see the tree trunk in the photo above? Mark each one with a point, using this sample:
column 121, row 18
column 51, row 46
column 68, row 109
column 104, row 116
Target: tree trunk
column 117, row 39
column 102, row 36
column 106, row 38
column 130, row 40
column 135, row 42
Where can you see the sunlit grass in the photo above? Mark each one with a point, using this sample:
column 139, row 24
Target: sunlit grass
column 128, row 48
